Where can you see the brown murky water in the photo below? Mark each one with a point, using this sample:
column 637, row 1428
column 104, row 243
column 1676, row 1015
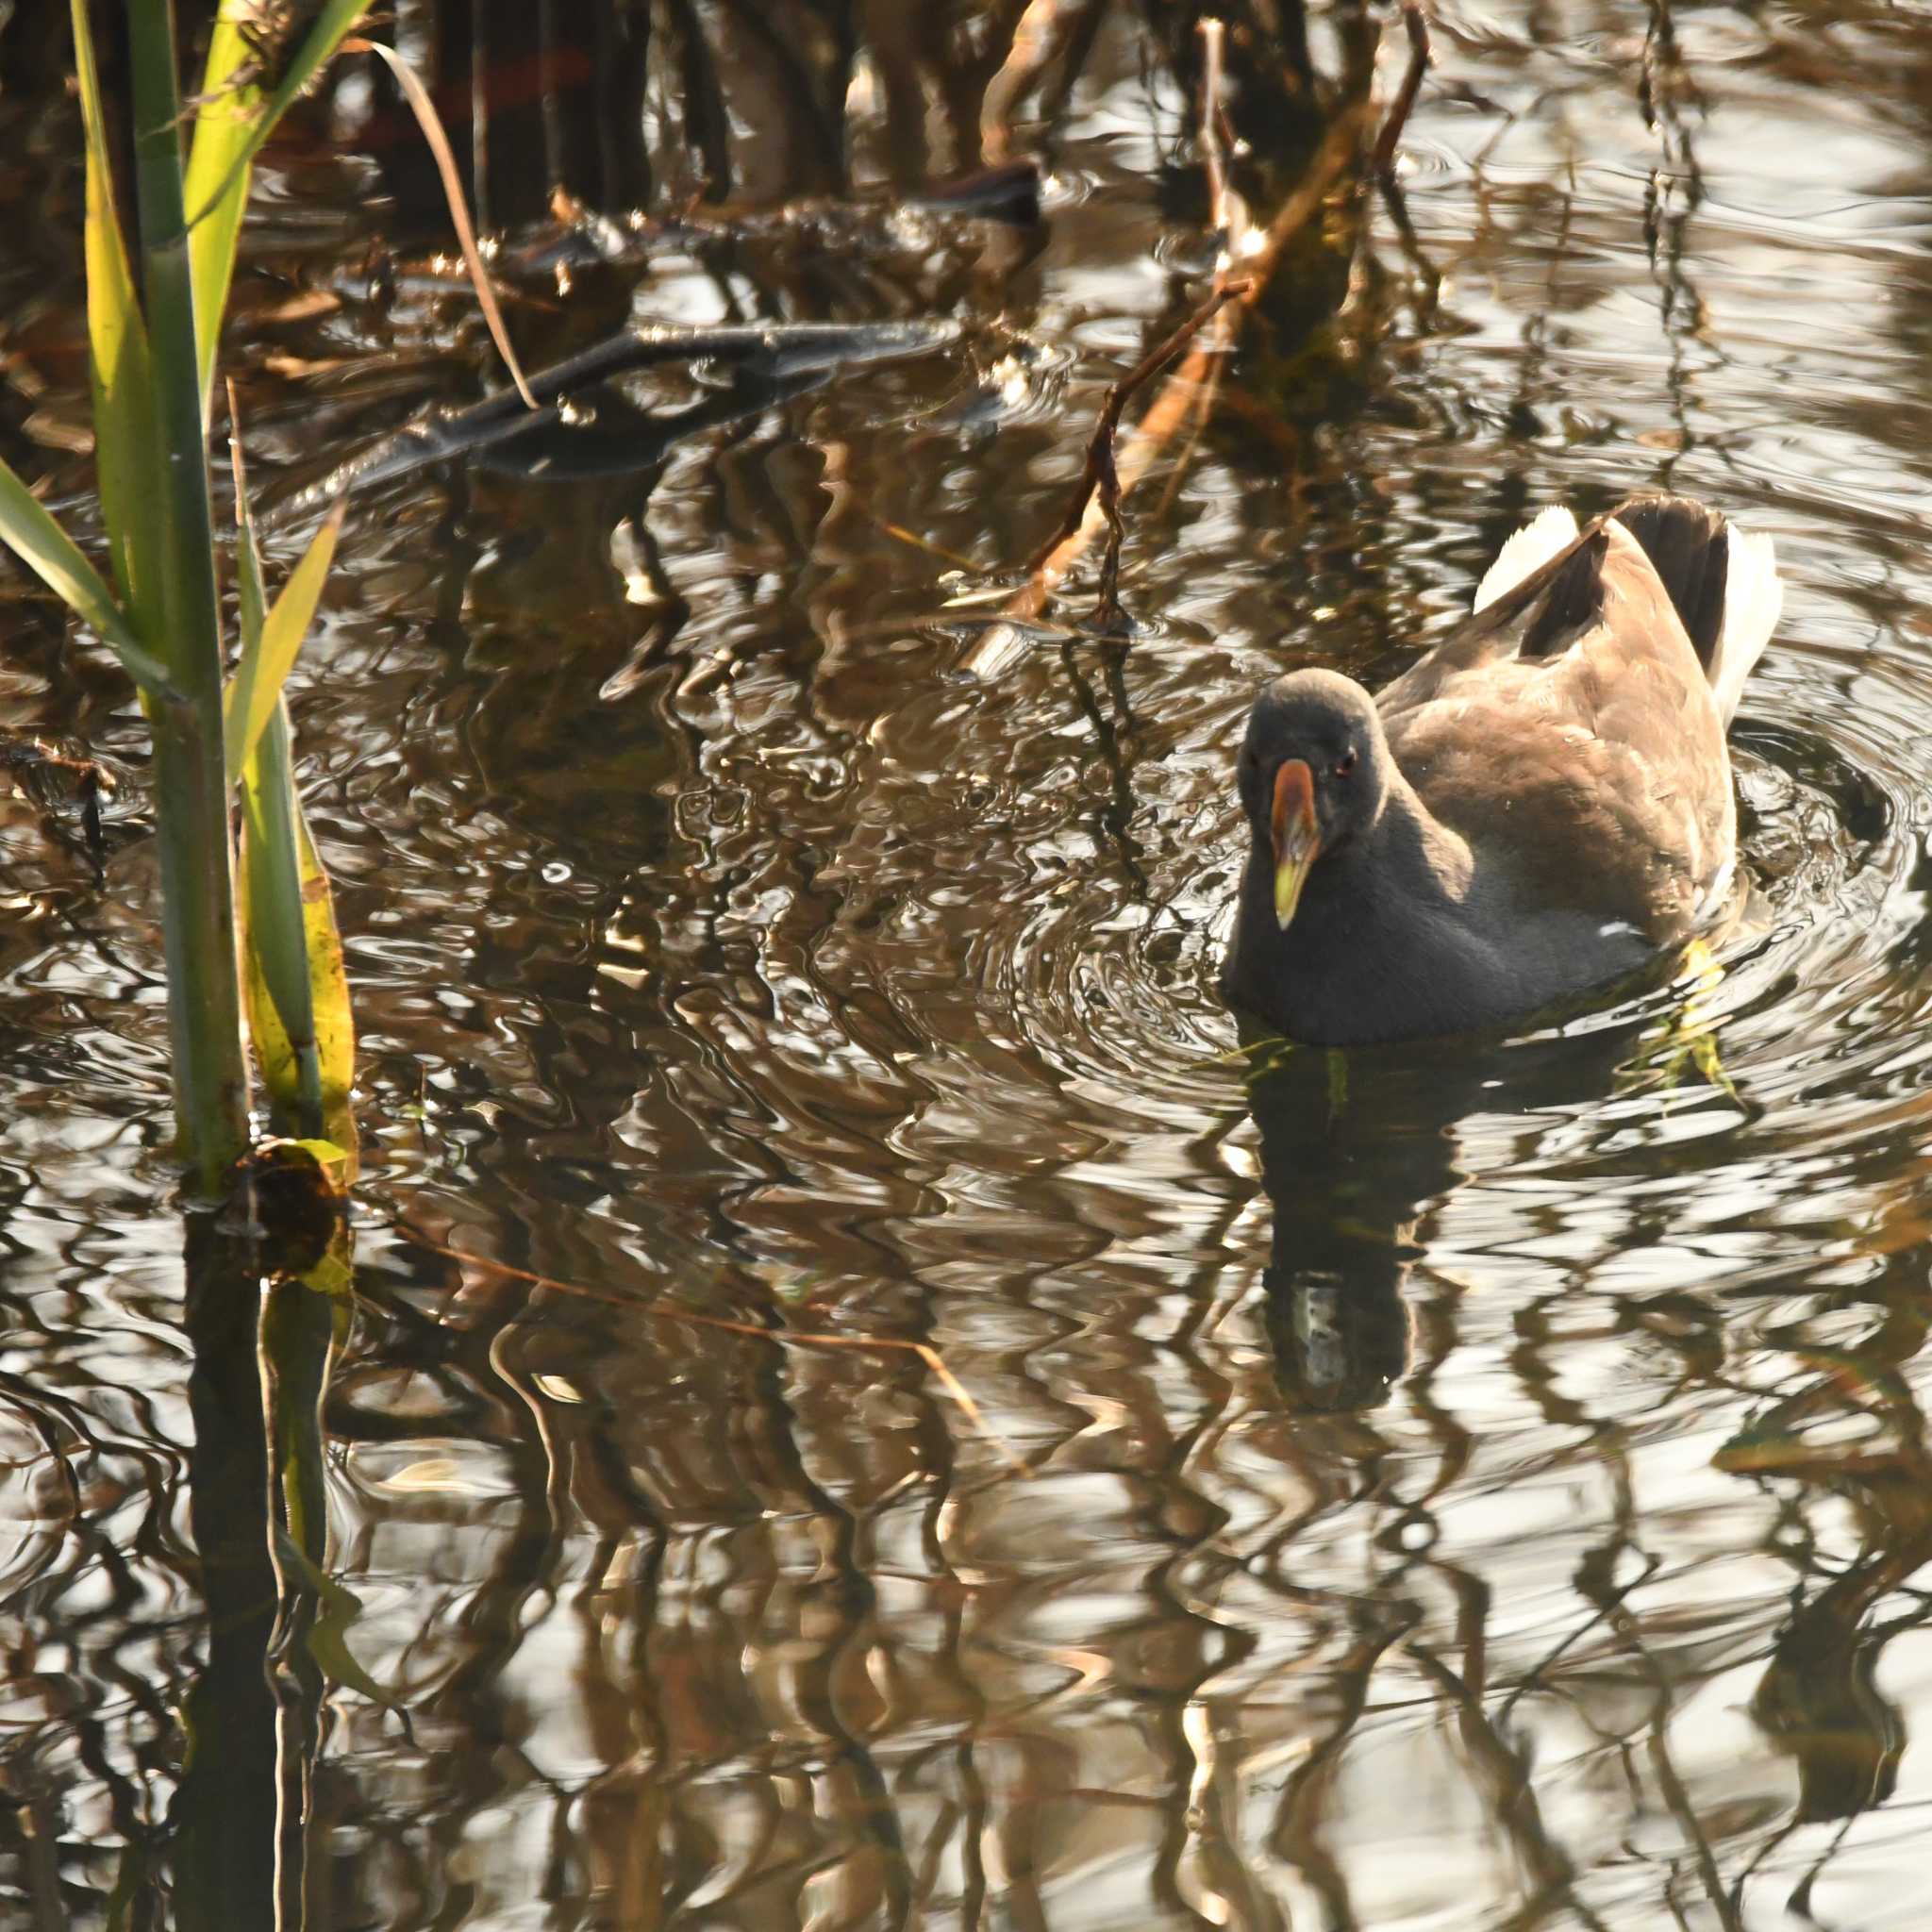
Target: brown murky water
column 1493, row 1494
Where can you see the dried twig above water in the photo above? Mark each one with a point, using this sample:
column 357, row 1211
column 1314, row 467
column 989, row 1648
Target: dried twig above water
column 1259, row 253
column 431, row 124
column 1213, row 147
column 1101, row 473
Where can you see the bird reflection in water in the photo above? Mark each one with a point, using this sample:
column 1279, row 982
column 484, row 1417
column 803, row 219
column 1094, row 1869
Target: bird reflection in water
column 1358, row 1146
column 1348, row 1175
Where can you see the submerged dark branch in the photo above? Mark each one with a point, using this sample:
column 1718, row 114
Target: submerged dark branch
column 581, row 427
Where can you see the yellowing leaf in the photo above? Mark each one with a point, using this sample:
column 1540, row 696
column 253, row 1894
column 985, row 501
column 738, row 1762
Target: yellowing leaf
column 230, row 130
column 216, row 187
column 295, row 985
column 267, row 656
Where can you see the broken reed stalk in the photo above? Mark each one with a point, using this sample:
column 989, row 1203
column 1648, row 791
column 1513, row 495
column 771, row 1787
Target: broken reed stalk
column 783, row 1337
column 1171, row 405
column 430, row 122
column 1415, row 23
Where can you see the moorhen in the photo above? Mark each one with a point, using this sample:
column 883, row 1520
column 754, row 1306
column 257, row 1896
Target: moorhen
column 1529, row 813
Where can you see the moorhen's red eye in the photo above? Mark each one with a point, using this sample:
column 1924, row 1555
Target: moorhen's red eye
column 1345, row 763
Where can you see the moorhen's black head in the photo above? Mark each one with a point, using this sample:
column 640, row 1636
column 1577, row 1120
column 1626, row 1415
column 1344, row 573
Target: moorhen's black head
column 1314, row 773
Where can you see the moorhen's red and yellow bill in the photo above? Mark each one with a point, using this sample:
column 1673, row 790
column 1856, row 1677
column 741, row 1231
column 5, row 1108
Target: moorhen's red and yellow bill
column 1530, row 811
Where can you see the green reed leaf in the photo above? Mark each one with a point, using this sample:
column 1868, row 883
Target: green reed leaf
column 120, row 365
column 52, row 556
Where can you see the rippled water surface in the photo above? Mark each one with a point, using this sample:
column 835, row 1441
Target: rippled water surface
column 1481, row 1487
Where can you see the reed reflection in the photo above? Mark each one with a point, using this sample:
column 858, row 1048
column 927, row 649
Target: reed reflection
column 238, row 1826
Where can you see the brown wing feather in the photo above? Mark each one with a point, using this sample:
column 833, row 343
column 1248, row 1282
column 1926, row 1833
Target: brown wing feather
column 1568, row 733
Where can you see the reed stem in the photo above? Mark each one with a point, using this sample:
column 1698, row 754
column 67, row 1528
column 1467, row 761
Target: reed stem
column 190, row 789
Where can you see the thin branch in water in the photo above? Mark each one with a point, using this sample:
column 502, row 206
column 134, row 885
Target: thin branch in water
column 783, row 1337
column 1227, row 216
column 1428, row 274
column 1101, row 472
column 1415, row 23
